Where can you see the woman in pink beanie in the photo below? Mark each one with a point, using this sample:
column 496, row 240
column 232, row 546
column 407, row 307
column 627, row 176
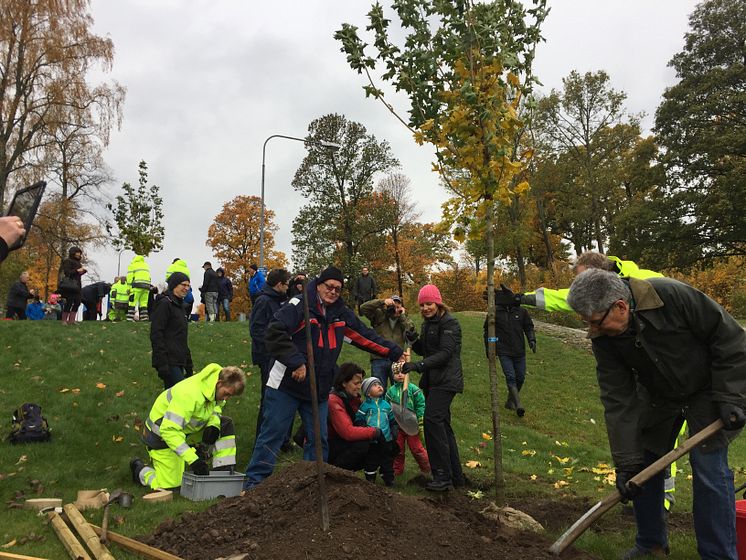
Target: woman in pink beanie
column 442, row 377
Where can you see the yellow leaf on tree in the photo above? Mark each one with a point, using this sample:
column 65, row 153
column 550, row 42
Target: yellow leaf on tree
column 473, row 464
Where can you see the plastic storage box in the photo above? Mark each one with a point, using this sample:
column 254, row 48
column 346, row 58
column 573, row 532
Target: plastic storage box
column 218, row 484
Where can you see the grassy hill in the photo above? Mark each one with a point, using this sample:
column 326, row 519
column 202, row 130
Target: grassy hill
column 95, row 385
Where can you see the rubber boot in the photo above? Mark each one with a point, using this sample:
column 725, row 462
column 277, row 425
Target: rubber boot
column 509, row 402
column 519, row 410
column 370, row 476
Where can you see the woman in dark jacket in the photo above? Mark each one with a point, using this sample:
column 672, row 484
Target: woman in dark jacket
column 168, row 333
column 442, row 377
column 72, row 270
column 349, row 445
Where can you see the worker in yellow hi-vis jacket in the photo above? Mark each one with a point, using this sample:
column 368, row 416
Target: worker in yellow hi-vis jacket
column 186, row 425
column 138, row 279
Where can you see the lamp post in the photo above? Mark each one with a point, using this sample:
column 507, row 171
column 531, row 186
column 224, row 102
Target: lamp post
column 119, row 260
column 332, row 146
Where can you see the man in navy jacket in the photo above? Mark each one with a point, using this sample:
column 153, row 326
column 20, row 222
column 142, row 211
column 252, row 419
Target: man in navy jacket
column 288, row 388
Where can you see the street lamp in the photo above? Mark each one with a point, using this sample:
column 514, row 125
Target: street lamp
column 332, row 146
column 119, row 260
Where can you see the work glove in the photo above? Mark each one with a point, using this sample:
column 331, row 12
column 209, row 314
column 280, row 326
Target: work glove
column 532, row 345
column 188, row 371
column 411, row 336
column 505, row 296
column 210, row 435
column 411, row 366
column 732, row 416
column 626, row 489
column 200, row 467
column 203, row 451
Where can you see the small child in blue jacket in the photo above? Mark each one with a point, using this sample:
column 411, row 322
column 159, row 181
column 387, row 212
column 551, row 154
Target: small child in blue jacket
column 376, row 412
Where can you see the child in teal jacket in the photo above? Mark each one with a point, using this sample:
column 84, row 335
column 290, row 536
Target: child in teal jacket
column 376, row 412
column 415, row 403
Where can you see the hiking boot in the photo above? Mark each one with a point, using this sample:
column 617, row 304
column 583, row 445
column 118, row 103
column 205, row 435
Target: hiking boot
column 638, row 551
column 463, row 482
column 439, row 486
column 136, row 465
column 287, row 447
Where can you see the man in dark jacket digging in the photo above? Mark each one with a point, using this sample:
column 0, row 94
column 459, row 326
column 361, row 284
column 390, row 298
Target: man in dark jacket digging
column 288, row 388
column 169, row 332
column 666, row 353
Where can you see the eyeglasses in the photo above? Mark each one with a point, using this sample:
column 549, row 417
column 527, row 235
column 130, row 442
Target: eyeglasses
column 599, row 322
column 335, row 289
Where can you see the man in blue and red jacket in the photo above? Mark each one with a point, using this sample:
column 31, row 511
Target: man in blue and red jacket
column 288, row 388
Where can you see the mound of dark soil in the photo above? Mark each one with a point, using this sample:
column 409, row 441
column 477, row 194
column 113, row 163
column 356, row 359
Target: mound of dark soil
column 280, row 519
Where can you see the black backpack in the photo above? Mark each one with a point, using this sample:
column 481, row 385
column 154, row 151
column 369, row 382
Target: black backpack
column 28, row 425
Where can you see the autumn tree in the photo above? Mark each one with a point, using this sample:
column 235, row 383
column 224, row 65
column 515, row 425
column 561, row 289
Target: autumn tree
column 586, row 124
column 138, row 217
column 46, row 52
column 464, row 66
column 701, row 124
column 234, row 239
column 335, row 184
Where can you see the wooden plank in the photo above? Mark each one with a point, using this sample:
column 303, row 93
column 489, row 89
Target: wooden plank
column 87, row 535
column 41, row 503
column 11, row 556
column 137, row 547
column 159, row 496
column 66, row 536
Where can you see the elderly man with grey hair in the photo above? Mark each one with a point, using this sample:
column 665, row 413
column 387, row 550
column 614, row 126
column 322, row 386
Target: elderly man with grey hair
column 666, row 353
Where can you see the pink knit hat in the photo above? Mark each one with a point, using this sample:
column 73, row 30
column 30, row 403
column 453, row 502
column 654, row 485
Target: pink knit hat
column 429, row 293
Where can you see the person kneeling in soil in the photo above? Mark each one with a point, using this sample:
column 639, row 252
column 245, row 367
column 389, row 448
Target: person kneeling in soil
column 376, row 412
column 191, row 408
column 415, row 403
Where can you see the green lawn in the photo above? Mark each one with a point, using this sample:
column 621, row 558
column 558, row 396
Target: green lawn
column 95, row 385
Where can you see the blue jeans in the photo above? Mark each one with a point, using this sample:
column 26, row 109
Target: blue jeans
column 175, row 374
column 514, row 369
column 279, row 410
column 381, row 368
column 225, row 305
column 714, row 508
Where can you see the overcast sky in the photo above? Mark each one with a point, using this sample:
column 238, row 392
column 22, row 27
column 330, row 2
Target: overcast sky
column 209, row 80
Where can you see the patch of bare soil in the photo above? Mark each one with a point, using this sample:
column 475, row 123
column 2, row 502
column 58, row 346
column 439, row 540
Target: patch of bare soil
column 280, row 519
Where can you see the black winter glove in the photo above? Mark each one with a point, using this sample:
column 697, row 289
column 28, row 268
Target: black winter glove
column 200, row 467
column 164, row 372
column 188, row 371
column 359, row 422
column 505, row 296
column 210, row 435
column 732, row 416
column 411, row 366
column 378, row 436
column 203, row 451
column 532, row 345
column 411, row 336
column 626, row 489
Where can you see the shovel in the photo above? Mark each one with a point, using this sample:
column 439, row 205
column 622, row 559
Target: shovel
column 589, row 517
column 124, row 499
column 405, row 417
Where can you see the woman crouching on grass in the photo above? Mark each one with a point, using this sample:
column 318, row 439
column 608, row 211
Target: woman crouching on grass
column 442, row 377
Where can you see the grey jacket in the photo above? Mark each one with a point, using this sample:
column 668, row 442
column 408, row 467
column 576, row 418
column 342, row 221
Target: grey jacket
column 682, row 355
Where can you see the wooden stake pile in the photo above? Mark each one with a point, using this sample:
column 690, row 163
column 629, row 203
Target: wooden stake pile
column 89, row 534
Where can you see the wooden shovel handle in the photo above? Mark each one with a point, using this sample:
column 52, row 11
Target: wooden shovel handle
column 589, row 517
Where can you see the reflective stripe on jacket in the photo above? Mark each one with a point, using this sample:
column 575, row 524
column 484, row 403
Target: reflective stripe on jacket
column 138, row 273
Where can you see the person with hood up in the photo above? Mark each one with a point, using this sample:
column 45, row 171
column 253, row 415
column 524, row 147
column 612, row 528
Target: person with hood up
column 225, row 295
column 171, row 357
column 69, row 285
column 288, row 390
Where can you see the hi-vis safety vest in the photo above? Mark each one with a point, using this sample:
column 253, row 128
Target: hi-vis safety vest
column 186, row 408
column 138, row 273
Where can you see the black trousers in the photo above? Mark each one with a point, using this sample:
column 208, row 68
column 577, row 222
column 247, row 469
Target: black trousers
column 349, row 455
column 14, row 312
column 439, row 439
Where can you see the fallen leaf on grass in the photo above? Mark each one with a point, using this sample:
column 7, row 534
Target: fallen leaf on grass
column 119, row 394
column 562, row 460
column 22, row 459
column 475, row 494
column 64, row 390
column 9, row 544
column 473, row 464
column 560, row 483
column 528, row 452
column 100, row 385
column 534, row 477
column 486, row 436
column 117, row 439
column 75, row 391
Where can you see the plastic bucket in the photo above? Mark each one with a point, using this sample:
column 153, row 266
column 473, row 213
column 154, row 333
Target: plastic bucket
column 741, row 529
